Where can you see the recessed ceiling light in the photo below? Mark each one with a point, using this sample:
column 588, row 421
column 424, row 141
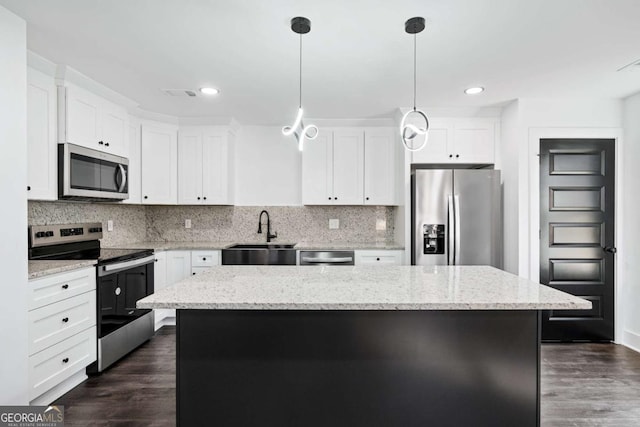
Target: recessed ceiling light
column 209, row 91
column 474, row 90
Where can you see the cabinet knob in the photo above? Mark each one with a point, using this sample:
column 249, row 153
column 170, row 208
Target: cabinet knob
column 28, row 188
column 457, row 155
column 205, row 198
column 101, row 142
column 367, row 198
column 377, row 259
column 65, row 360
column 335, row 198
column 198, row 198
column 329, row 198
column 146, row 197
column 450, row 155
column 204, row 259
column 106, row 144
column 156, row 260
column 65, row 286
column 193, row 274
column 65, row 319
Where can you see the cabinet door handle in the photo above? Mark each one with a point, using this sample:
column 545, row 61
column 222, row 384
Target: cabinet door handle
column 65, row 360
column 106, row 144
column 101, row 142
column 65, row 286
column 65, row 319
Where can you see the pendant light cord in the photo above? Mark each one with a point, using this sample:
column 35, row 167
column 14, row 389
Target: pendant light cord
column 300, row 100
column 414, row 72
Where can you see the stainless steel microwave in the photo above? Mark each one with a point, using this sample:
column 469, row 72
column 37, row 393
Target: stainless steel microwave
column 86, row 174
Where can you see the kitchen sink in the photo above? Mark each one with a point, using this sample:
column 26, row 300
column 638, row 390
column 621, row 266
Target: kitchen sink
column 262, row 246
column 259, row 254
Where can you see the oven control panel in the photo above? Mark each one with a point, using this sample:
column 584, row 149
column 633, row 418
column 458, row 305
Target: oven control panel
column 45, row 235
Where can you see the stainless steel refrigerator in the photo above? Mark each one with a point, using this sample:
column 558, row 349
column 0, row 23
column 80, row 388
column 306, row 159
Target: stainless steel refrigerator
column 456, row 217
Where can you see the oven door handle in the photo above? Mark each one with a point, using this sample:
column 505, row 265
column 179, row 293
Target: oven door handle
column 126, row 264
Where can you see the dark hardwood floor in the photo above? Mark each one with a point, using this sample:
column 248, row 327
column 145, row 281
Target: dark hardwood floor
column 582, row 385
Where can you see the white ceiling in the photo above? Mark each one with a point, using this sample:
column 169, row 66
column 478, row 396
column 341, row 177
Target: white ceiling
column 357, row 57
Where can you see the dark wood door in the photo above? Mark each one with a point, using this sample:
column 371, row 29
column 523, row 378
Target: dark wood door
column 577, row 229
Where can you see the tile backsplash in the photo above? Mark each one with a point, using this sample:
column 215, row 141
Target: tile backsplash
column 357, row 224
column 292, row 223
column 129, row 221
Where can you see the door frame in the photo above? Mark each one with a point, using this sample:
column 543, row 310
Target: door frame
column 532, row 245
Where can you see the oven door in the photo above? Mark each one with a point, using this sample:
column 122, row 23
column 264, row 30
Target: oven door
column 91, row 175
column 120, row 286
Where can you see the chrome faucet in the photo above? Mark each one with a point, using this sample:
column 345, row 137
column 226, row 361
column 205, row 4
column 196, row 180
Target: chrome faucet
column 269, row 235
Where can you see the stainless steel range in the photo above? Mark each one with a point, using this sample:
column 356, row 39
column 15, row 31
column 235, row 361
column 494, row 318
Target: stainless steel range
column 123, row 277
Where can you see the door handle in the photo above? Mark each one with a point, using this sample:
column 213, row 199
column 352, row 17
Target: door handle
column 123, row 172
column 457, row 229
column 450, row 233
column 610, row 249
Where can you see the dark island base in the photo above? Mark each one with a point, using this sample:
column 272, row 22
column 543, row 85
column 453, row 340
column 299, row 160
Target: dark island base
column 358, row 368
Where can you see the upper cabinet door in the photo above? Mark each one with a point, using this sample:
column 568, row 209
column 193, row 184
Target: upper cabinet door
column 216, row 173
column 41, row 137
column 80, row 117
column 317, row 170
column 348, row 163
column 379, row 167
column 134, row 174
column 114, row 129
column 475, row 141
column 159, row 165
column 439, row 147
column 190, row 168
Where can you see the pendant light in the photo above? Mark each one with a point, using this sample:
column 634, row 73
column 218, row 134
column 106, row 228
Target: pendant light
column 408, row 132
column 300, row 25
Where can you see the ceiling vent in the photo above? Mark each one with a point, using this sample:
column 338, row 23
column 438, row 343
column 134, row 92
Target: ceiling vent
column 634, row 66
column 184, row 93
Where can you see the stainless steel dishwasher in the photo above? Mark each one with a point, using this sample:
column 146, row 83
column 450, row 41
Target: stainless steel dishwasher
column 326, row 258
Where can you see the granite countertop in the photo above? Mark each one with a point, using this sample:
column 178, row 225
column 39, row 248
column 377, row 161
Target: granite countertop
column 46, row 267
column 360, row 288
column 176, row 246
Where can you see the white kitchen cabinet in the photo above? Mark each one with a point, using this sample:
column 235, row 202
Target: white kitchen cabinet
column 333, row 168
column 178, row 266
column 378, row 257
column 42, row 183
column 134, row 174
column 62, row 336
column 205, row 159
column 379, row 167
column 470, row 140
column 159, row 152
column 91, row 121
column 203, row 260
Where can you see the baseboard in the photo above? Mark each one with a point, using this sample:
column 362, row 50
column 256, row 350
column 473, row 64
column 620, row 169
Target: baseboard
column 66, row 386
column 631, row 340
column 166, row 321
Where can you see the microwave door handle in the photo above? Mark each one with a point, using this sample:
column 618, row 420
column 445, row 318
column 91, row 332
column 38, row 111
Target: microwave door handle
column 123, row 173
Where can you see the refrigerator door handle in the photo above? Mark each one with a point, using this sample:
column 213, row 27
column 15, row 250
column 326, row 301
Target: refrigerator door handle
column 457, row 228
column 451, row 232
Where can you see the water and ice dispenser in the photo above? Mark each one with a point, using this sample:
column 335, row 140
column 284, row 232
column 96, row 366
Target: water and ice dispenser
column 434, row 238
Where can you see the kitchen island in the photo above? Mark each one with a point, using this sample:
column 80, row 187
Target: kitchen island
column 383, row 346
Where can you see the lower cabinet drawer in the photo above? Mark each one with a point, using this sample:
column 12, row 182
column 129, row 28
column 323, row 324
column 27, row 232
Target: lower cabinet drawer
column 57, row 287
column 56, row 322
column 55, row 364
column 205, row 258
column 378, row 257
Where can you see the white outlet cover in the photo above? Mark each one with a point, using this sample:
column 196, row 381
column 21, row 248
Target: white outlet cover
column 109, row 225
column 334, row 224
column 187, row 223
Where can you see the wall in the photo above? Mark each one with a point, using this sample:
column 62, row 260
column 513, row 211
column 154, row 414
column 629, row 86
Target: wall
column 268, row 168
column 13, row 185
column 293, row 224
column 628, row 265
column 129, row 222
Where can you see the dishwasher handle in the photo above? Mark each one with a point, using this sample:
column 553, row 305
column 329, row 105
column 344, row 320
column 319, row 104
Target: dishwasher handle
column 327, row 260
